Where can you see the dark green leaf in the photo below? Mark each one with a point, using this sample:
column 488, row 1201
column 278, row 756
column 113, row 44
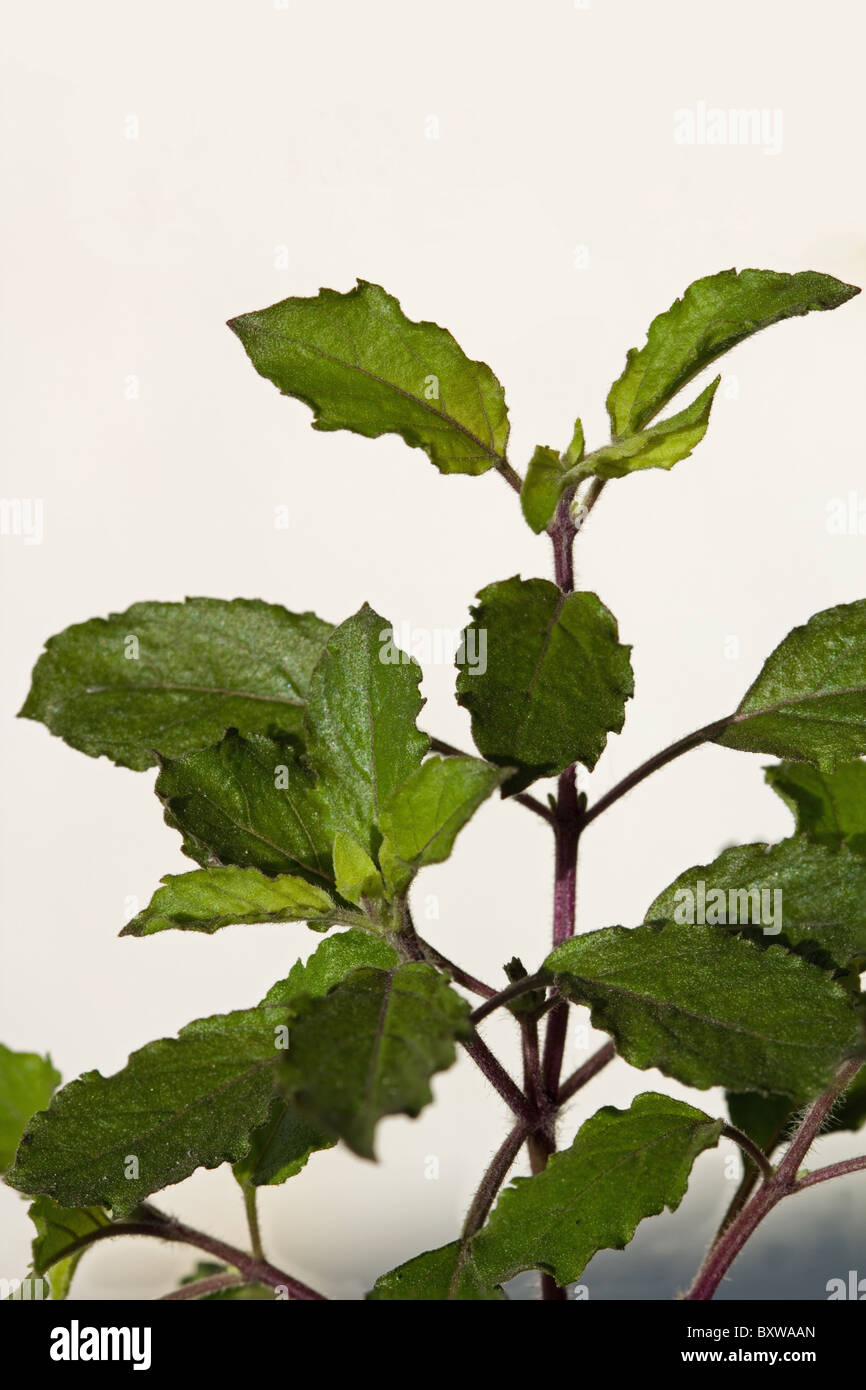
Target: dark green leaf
column 27, row 1083
column 207, row 899
column 766, row 1119
column 423, row 817
column 808, row 896
column 710, row 1008
column 809, row 702
column 556, row 681
column 174, row 676
column 714, row 314
column 280, row 1147
column 360, row 364
column 180, row 1103
column 369, row 1048
column 829, row 807
column 660, row 446
column 623, row 1166
column 433, row 1277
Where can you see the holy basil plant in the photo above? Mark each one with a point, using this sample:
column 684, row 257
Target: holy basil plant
column 291, row 763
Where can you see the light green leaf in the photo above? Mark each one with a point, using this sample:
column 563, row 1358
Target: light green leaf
column 660, row 446
column 623, row 1166
column 807, row 896
column 360, row 364
column 829, row 807
column 369, row 1048
column 27, row 1083
column 423, row 817
column 710, row 1008
column 57, row 1231
column 357, row 876
column 546, row 478
column 433, row 1277
column 574, row 452
column 714, row 314
column 180, row 1103
column 174, row 676
column 207, row 899
column 556, row 681
column 809, row 701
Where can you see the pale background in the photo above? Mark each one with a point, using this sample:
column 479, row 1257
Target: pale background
column 511, row 172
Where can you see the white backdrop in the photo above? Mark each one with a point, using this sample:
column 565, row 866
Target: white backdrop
column 514, row 173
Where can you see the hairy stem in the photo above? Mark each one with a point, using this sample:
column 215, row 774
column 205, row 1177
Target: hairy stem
column 504, row 996
column 758, row 1157
column 832, row 1170
column 499, row 1078
column 783, row 1182
column 201, row 1287
column 456, row 972
column 567, row 832
column 590, row 1068
column 252, row 1211
column 157, row 1224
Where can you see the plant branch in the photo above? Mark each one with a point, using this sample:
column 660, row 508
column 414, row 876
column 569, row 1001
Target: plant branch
column 591, row 1067
column 832, row 1170
column 757, row 1155
column 784, row 1181
column 202, row 1287
column 567, row 833
column 499, row 1078
column 511, row 476
column 504, row 996
column 253, row 1269
column 252, row 1211
column 455, row 971
column 494, row 1176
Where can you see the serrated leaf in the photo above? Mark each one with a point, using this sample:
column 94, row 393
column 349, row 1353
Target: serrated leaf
column 829, row 807
column 58, row 1229
column 623, row 1166
column 423, row 817
column 256, row 803
column 710, row 1008
column 810, row 897
column 356, row 874
column 660, row 446
column 434, row 1277
column 546, row 478
column 360, row 722
column 208, row 899
column 809, row 701
column 27, row 1083
column 714, row 314
column 369, row 1048
column 251, row 803
column 174, row 676
column 556, row 681
column 361, row 365
column 180, row 1103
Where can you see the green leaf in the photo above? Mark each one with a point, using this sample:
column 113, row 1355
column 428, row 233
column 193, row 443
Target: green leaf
column 546, row 478
column 174, row 676
column 623, row 1166
column 27, row 1083
column 361, row 365
column 180, row 1103
column 57, row 1230
column 280, row 1148
column 357, row 876
column 829, row 807
column 369, row 1048
column 423, row 817
column 207, row 899
column 574, row 452
column 556, row 680
column 807, row 896
column 714, row 314
column 709, row 1008
column 660, row 446
column 360, row 722
column 255, row 803
column 809, row 701
column 251, row 803
column 433, row 1277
